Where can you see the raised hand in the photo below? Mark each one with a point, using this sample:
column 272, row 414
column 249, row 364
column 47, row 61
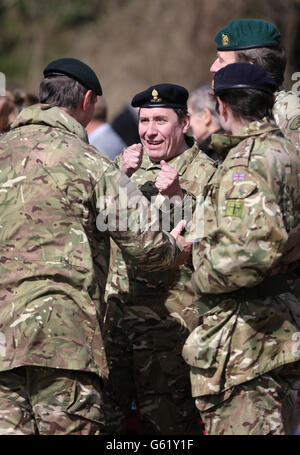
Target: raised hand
column 131, row 159
column 167, row 181
column 186, row 246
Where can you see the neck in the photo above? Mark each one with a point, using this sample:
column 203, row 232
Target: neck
column 237, row 125
column 71, row 113
column 93, row 125
column 184, row 146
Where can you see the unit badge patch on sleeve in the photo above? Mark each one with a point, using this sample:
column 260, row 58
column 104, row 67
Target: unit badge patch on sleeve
column 234, row 208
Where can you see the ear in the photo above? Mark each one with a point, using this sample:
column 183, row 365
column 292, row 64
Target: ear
column 206, row 116
column 223, row 111
column 87, row 100
column 186, row 123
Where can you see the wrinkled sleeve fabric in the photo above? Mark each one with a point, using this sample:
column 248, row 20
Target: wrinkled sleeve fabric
column 126, row 214
column 286, row 112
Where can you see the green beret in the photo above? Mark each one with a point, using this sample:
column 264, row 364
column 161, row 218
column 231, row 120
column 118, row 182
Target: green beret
column 162, row 95
column 75, row 69
column 247, row 34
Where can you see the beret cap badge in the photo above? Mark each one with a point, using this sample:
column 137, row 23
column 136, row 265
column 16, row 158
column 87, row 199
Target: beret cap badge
column 225, row 39
column 155, row 98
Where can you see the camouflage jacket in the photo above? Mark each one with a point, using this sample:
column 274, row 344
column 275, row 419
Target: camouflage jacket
column 286, row 112
column 54, row 261
column 169, row 290
column 251, row 205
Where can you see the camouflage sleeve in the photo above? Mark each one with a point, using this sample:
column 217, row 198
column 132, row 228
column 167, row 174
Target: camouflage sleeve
column 118, row 159
column 243, row 236
column 286, row 112
column 117, row 279
column 127, row 215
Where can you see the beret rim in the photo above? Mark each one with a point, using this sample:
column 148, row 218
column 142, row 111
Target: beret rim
column 241, row 86
column 169, row 105
column 242, row 47
column 243, row 75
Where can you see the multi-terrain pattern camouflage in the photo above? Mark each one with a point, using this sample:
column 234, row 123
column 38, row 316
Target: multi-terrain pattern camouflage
column 251, row 208
column 149, row 317
column 144, row 357
column 48, row 401
column 269, row 404
column 53, row 259
column 286, row 112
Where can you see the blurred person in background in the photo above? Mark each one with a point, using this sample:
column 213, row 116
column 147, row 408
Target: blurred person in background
column 22, row 98
column 101, row 134
column 12, row 104
column 204, row 118
column 8, row 112
column 125, row 125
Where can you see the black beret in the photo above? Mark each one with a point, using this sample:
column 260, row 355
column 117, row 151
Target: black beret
column 162, row 95
column 247, row 34
column 75, row 69
column 243, row 75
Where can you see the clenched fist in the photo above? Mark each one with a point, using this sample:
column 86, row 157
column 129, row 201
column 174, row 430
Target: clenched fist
column 167, row 181
column 131, row 159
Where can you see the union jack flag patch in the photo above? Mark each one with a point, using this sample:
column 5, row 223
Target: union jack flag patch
column 238, row 176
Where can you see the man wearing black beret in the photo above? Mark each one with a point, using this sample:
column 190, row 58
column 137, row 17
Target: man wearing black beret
column 245, row 354
column 258, row 41
column 56, row 190
column 150, row 314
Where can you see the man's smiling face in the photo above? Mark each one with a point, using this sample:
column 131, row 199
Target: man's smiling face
column 161, row 132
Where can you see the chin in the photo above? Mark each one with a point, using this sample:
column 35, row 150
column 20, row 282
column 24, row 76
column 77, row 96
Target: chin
column 155, row 155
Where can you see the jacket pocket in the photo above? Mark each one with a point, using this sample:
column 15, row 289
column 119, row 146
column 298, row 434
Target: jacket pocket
column 241, row 190
column 86, row 397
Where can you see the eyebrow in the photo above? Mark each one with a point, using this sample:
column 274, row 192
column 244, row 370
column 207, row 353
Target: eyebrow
column 158, row 117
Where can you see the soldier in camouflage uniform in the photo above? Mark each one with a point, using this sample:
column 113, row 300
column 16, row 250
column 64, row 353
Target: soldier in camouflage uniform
column 54, row 189
column 151, row 314
column 244, row 355
column 258, row 41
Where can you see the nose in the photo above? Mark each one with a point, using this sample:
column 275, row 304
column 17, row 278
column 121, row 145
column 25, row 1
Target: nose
column 151, row 130
column 214, row 67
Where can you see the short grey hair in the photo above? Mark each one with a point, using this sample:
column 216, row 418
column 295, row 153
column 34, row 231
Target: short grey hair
column 202, row 98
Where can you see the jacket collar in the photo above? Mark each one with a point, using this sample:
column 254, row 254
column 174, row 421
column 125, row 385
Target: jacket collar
column 49, row 115
column 222, row 143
